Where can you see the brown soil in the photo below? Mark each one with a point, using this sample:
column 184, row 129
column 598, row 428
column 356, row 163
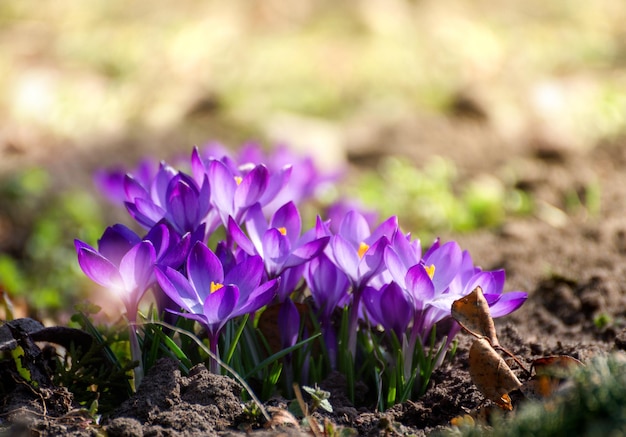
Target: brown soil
column 572, row 266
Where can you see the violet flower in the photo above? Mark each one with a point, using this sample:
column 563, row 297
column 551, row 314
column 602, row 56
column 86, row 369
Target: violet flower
column 279, row 243
column 389, row 307
column 329, row 289
column 239, row 187
column 174, row 197
column 211, row 296
column 124, row 266
column 359, row 253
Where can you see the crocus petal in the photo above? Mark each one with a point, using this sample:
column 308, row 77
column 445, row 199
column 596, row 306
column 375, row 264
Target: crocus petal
column 203, row 268
column 246, row 275
column 447, row 260
column 134, row 190
column 396, row 309
column 158, row 190
column 242, row 239
column 258, row 298
column 507, row 303
column 385, row 229
column 111, row 184
column 395, row 265
column 370, row 297
column 182, row 205
column 372, row 262
column 256, row 225
column 198, row 169
column 485, row 280
column 219, row 305
column 276, row 249
column 346, row 257
column 251, row 187
column 288, row 217
column 354, row 228
column 96, row 267
column 136, row 268
column 419, row 285
column 223, row 180
column 145, row 212
column 116, row 241
column 277, row 181
column 177, row 287
column 306, row 252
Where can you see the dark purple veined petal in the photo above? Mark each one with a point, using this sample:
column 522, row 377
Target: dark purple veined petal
column 506, row 302
column 175, row 285
column 419, row 285
column 258, row 298
column 246, row 275
column 116, row 241
column 288, row 218
column 204, row 269
column 242, row 239
column 306, row 252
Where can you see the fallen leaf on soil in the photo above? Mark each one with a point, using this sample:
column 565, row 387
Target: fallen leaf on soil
column 550, row 375
column 472, row 313
column 490, row 373
column 281, row 418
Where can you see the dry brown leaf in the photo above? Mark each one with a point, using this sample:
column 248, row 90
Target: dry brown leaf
column 550, row 375
column 472, row 313
column 490, row 373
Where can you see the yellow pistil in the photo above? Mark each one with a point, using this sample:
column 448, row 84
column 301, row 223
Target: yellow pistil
column 430, row 270
column 238, row 179
column 215, row 287
column 282, row 230
column 362, row 249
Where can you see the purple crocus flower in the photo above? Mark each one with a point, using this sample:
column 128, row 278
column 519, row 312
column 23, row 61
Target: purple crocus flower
column 329, row 288
column 213, row 297
column 124, row 265
column 359, row 252
column 279, row 243
column 236, row 189
column 389, row 307
column 293, row 177
column 174, row 197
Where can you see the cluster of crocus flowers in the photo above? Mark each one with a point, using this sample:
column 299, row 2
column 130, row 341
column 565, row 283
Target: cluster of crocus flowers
column 375, row 273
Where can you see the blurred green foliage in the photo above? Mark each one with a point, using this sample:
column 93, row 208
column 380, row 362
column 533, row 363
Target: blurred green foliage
column 429, row 201
column 38, row 262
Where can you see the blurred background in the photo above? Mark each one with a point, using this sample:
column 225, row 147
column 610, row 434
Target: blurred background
column 417, row 97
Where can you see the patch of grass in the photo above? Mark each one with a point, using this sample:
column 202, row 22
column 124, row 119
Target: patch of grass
column 40, row 267
column 428, row 202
